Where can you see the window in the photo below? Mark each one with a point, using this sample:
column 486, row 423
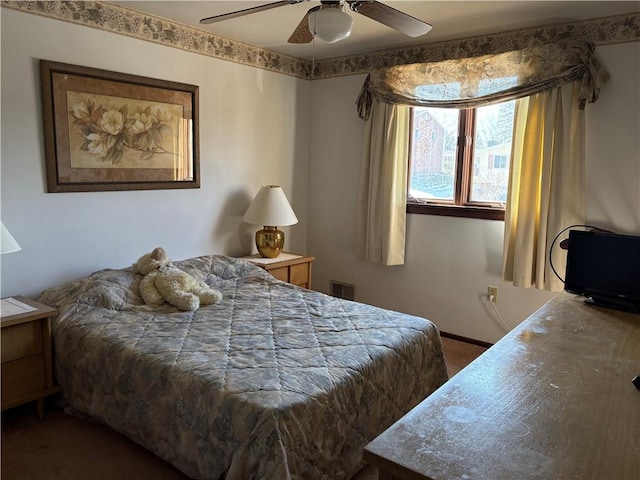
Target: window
column 498, row 161
column 459, row 160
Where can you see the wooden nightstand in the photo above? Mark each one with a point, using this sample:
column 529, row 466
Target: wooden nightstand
column 27, row 366
column 288, row 267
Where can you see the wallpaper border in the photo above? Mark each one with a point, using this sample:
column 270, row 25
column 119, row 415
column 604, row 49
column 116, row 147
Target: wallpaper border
column 123, row 21
column 600, row 31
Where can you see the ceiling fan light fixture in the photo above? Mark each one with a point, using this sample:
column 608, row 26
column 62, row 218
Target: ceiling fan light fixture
column 330, row 24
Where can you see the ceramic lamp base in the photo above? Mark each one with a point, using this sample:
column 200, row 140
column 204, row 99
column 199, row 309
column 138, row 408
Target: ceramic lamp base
column 269, row 241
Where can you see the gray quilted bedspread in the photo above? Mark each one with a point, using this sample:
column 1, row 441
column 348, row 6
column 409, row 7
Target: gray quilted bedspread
column 274, row 382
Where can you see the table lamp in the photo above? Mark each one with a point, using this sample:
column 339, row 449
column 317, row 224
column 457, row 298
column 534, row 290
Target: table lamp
column 8, row 244
column 270, row 208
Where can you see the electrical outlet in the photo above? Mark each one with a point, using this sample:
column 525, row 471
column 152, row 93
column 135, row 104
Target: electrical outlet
column 492, row 291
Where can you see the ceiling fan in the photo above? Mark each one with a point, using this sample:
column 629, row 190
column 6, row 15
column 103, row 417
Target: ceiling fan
column 329, row 22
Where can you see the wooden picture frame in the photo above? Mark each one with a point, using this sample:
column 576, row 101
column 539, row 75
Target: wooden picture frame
column 112, row 131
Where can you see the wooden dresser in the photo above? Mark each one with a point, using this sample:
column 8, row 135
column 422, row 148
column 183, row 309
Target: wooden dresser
column 288, row 267
column 27, row 370
column 553, row 399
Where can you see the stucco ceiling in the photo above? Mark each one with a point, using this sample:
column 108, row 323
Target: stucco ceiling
column 450, row 19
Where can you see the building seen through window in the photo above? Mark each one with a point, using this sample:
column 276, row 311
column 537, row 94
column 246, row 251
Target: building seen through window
column 461, row 157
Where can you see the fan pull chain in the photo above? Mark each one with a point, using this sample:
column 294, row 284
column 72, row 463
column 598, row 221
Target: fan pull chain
column 313, row 56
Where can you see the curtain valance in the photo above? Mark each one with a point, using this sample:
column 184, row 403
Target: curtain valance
column 475, row 81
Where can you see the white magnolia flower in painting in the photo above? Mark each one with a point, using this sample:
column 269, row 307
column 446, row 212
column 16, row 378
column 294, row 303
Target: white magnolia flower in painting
column 110, row 131
column 142, row 123
column 80, row 110
column 161, row 114
column 100, row 143
column 111, row 122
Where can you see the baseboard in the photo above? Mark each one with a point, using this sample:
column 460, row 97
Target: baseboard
column 459, row 338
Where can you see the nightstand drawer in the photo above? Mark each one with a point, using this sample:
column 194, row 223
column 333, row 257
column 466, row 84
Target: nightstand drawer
column 281, row 273
column 21, row 340
column 22, row 376
column 27, row 363
column 288, row 267
column 300, row 274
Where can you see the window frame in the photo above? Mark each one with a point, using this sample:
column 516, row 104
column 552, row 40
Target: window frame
column 461, row 206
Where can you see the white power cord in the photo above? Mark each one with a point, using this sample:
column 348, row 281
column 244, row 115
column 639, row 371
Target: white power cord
column 502, row 322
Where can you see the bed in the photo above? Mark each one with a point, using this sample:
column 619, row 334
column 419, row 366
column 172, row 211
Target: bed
column 274, row 382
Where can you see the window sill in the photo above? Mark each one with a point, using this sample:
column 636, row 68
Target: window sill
column 487, row 213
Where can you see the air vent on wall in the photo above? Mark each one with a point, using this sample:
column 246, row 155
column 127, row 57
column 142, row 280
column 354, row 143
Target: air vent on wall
column 343, row 290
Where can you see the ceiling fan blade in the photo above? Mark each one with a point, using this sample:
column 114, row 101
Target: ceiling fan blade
column 247, row 11
column 302, row 33
column 390, row 17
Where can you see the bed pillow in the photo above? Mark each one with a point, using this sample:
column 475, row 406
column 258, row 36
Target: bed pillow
column 212, row 268
column 117, row 289
column 111, row 289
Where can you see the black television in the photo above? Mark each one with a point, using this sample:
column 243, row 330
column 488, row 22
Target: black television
column 605, row 268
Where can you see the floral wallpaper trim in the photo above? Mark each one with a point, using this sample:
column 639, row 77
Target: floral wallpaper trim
column 123, row 21
column 599, row 31
column 112, row 18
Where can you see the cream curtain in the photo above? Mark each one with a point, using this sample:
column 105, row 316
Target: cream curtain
column 546, row 185
column 380, row 234
column 553, row 83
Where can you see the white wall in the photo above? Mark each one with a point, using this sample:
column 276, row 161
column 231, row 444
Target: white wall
column 451, row 261
column 613, row 143
column 253, row 131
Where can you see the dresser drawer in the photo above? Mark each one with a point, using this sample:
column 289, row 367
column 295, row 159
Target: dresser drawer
column 21, row 340
column 22, row 376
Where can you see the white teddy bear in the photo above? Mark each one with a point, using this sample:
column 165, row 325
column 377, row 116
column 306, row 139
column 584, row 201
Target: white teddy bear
column 164, row 282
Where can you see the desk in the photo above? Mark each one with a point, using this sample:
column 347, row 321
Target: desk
column 552, row 399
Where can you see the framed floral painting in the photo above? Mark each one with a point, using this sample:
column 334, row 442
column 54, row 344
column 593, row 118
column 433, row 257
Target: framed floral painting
column 113, row 131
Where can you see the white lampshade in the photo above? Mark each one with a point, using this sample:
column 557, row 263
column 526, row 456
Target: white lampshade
column 8, row 244
column 330, row 24
column 270, row 207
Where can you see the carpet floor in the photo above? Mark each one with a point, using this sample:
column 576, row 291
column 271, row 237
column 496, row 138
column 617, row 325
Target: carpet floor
column 61, row 447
